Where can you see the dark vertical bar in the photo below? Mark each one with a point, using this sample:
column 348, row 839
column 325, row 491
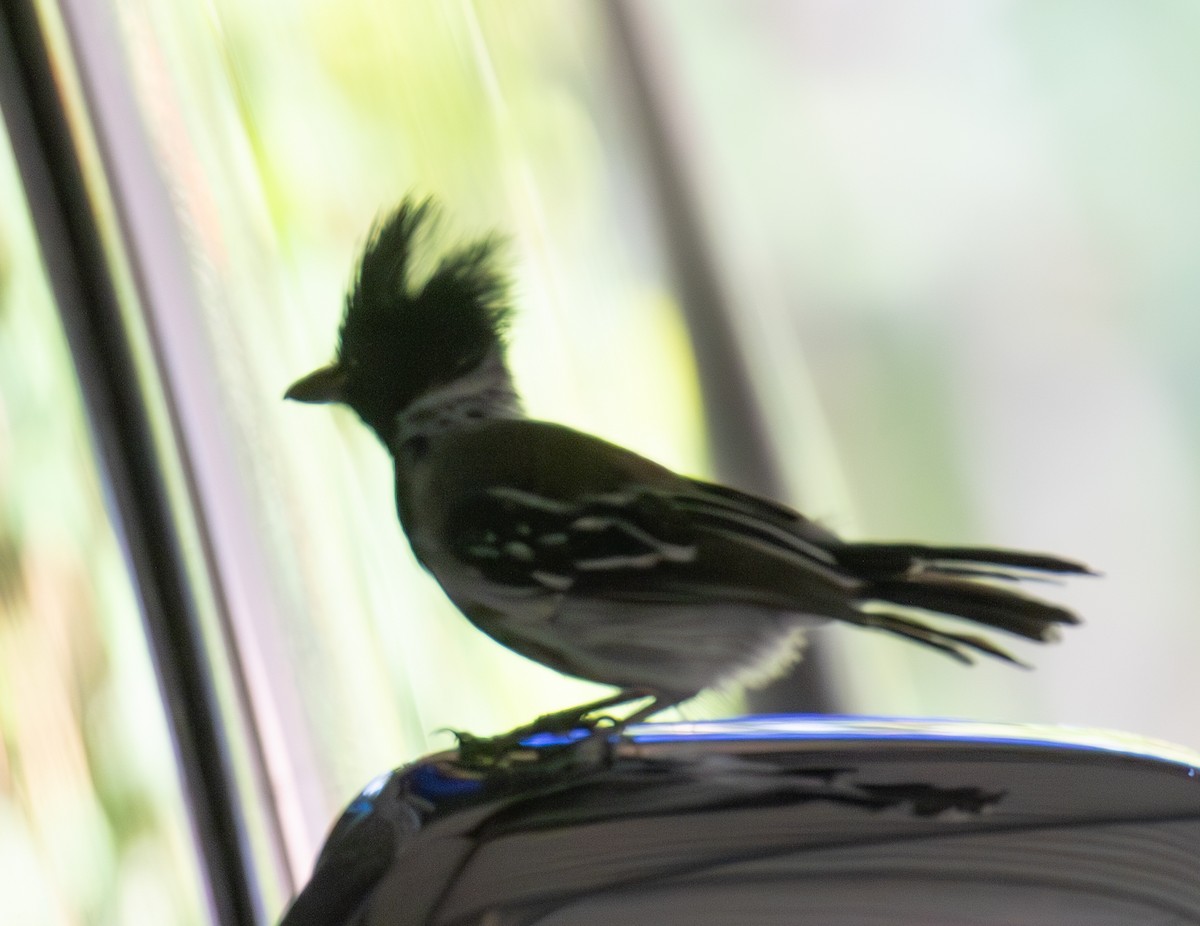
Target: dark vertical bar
column 84, row 290
column 741, row 448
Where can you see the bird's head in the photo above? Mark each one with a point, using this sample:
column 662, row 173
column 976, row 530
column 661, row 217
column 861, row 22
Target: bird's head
column 402, row 339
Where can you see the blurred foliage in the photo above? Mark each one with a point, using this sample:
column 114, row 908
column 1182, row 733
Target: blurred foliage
column 91, row 822
column 282, row 130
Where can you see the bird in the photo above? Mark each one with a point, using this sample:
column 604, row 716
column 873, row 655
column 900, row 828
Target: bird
column 592, row 559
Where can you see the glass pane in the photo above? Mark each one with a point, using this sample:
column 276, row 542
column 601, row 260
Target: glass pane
column 92, row 828
column 281, row 130
column 964, row 312
column 974, row 225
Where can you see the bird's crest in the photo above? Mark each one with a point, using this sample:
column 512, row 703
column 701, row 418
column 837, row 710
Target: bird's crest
column 404, row 333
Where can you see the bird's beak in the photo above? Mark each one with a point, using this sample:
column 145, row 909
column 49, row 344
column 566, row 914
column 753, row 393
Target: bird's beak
column 327, row 384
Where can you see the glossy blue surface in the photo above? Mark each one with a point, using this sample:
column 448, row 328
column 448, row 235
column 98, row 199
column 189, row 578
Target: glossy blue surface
column 814, row 728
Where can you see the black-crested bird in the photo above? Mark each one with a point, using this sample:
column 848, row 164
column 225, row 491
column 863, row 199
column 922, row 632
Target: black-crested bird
column 596, row 561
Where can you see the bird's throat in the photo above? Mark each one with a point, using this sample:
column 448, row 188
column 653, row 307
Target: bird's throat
column 485, row 394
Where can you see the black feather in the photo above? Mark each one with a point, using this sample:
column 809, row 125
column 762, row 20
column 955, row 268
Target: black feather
column 959, row 582
column 989, row 605
column 957, row 645
column 399, row 336
column 871, row 560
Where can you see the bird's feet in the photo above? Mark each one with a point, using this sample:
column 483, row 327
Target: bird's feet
column 578, row 734
column 549, row 738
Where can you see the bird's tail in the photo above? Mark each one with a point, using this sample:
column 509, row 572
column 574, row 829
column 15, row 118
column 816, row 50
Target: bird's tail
column 963, row 582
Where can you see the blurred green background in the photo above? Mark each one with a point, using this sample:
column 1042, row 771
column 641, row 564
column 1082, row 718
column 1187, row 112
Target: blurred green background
column 959, row 241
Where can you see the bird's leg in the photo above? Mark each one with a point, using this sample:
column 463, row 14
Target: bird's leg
column 660, row 703
column 575, row 717
column 474, row 750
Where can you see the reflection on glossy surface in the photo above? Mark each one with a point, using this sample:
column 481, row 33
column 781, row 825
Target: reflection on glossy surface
column 783, row 814
column 879, row 729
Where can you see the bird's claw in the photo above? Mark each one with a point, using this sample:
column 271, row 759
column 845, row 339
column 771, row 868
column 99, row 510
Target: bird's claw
column 511, row 750
column 486, row 751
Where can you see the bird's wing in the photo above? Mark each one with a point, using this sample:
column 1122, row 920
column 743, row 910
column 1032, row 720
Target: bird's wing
column 723, row 508
column 545, row 509
column 683, row 543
